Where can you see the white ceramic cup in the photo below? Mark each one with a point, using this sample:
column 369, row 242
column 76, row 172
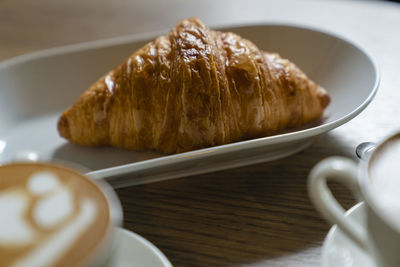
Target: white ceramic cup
column 61, row 236
column 381, row 235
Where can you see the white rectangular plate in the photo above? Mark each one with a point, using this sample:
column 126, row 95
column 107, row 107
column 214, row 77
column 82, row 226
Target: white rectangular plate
column 36, row 88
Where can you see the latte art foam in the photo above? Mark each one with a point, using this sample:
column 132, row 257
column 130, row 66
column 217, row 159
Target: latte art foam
column 49, row 217
column 384, row 173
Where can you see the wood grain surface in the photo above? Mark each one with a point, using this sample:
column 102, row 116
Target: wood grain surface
column 258, row 215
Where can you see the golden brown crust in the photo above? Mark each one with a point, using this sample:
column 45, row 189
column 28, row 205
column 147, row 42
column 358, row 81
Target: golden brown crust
column 190, row 89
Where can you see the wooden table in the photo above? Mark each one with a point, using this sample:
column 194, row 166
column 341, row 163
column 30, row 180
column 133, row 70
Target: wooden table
column 258, row 215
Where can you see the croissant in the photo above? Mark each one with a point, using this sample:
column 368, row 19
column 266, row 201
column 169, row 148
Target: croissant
column 190, row 89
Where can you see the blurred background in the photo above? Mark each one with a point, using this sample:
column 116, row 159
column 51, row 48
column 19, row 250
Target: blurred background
column 27, row 25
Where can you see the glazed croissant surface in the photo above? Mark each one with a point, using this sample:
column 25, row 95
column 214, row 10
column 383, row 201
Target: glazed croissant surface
column 193, row 88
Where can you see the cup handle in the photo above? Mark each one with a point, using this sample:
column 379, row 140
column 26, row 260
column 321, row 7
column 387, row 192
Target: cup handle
column 344, row 171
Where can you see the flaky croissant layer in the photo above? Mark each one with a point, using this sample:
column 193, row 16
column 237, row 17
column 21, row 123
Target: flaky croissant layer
column 190, row 89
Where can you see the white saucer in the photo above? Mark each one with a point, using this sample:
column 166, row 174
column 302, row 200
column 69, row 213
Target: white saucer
column 133, row 250
column 339, row 250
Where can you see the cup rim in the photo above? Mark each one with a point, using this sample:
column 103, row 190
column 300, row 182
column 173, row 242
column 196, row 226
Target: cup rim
column 365, row 185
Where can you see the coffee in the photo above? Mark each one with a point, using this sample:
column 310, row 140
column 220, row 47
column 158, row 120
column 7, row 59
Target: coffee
column 50, row 216
column 384, row 173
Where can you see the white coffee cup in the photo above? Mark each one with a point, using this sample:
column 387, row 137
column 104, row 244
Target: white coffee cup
column 380, row 237
column 52, row 215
